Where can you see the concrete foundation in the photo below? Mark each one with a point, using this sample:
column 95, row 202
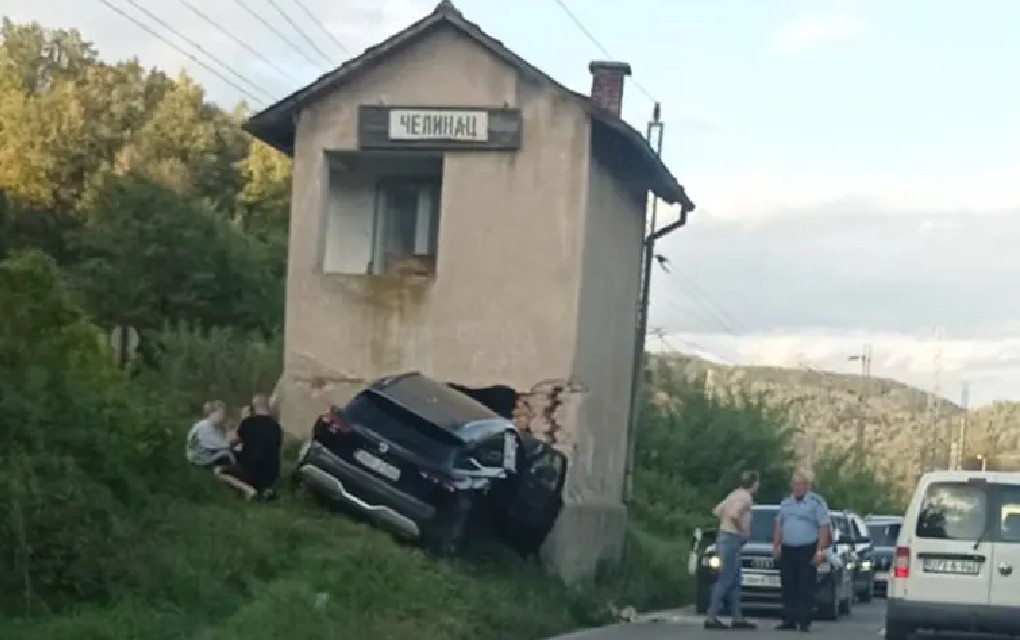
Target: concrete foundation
column 586, row 536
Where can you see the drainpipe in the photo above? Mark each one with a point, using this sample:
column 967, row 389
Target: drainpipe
column 655, row 126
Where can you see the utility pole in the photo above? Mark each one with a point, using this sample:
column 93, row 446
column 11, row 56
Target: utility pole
column 864, row 357
column 654, row 136
column 935, row 399
column 960, row 449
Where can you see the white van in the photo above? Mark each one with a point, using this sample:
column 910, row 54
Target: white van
column 957, row 560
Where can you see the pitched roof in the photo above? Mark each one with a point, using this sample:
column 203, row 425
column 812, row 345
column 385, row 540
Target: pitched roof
column 276, row 124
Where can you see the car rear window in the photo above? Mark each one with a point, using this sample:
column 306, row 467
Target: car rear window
column 400, row 426
column 763, row 522
column 884, row 534
column 953, row 511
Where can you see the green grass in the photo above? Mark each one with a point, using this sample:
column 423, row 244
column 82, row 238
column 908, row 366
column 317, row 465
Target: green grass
column 225, row 570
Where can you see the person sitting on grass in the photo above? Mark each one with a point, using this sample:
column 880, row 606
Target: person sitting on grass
column 208, row 444
column 257, row 449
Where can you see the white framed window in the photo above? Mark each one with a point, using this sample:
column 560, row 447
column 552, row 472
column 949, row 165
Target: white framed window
column 381, row 214
column 406, row 233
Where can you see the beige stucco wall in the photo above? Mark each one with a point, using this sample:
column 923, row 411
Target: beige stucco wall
column 503, row 307
column 603, row 358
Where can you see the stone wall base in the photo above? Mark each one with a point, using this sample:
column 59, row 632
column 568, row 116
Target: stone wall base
column 587, row 535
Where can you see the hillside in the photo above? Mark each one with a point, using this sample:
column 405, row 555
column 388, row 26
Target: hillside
column 900, row 435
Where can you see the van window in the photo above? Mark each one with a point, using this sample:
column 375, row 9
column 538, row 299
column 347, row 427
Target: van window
column 1009, row 514
column 952, row 511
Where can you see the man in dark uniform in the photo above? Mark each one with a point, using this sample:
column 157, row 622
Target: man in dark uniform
column 259, row 440
column 802, row 534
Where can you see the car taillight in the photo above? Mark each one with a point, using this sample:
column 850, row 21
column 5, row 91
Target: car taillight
column 901, row 567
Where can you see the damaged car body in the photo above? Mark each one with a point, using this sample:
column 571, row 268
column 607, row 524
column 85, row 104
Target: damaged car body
column 425, row 462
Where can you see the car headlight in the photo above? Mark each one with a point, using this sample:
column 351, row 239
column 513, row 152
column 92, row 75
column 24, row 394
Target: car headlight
column 850, row 565
column 712, row 562
column 866, row 565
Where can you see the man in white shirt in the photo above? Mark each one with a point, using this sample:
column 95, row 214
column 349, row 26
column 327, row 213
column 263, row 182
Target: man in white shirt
column 734, row 515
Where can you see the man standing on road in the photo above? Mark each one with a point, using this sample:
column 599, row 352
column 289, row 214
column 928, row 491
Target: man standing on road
column 802, row 534
column 734, row 515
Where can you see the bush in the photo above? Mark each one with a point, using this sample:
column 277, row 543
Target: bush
column 691, row 450
column 196, row 365
column 848, row 484
column 78, row 445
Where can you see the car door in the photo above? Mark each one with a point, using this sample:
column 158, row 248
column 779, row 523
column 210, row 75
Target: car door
column 946, row 542
column 1005, row 575
column 534, row 498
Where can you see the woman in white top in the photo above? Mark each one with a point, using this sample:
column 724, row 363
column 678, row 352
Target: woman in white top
column 208, row 443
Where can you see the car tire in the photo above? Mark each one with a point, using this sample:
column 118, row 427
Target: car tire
column 894, row 631
column 868, row 594
column 832, row 606
column 444, row 537
column 701, row 600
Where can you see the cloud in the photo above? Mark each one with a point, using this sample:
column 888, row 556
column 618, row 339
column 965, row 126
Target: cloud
column 813, row 30
column 991, row 366
column 771, row 192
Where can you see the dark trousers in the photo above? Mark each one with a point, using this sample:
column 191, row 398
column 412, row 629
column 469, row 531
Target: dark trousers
column 797, row 574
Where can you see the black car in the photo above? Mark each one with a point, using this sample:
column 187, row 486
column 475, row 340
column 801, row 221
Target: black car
column 883, row 531
column 760, row 587
column 850, row 538
column 425, row 461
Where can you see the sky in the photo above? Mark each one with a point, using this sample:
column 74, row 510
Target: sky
column 856, row 163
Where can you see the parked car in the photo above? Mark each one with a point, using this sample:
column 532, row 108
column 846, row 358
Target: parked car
column 425, row 461
column 760, row 586
column 883, row 531
column 956, row 566
column 857, row 549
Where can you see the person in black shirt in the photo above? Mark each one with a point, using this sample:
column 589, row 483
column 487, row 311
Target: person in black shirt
column 257, row 443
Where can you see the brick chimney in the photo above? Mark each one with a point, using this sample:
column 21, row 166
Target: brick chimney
column 607, row 84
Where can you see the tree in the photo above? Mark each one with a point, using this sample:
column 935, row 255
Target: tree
column 150, row 256
column 692, row 448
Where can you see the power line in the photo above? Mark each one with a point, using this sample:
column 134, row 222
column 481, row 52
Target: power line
column 240, row 42
column 598, row 44
column 198, row 47
column 322, row 27
column 300, row 31
column 268, row 25
column 181, row 50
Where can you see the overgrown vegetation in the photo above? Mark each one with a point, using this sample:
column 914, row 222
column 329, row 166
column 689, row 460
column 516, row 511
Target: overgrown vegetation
column 125, row 198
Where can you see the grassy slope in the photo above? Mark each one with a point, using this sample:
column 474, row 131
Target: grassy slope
column 221, row 569
column 226, row 570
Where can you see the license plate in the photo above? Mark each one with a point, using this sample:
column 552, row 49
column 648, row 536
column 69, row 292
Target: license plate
column 882, row 577
column 954, row 567
column 759, row 580
column 381, row 467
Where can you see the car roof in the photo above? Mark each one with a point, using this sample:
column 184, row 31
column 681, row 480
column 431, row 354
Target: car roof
column 441, row 405
column 995, row 477
column 880, row 519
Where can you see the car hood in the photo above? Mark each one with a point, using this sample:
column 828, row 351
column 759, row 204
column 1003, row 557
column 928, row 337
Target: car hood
column 757, row 549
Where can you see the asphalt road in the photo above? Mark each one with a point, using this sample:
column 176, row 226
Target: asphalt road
column 864, row 624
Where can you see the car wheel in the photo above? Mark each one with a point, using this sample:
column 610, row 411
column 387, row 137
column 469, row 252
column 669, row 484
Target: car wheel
column 701, row 600
column 832, row 606
column 866, row 595
column 444, row 537
column 895, row 631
